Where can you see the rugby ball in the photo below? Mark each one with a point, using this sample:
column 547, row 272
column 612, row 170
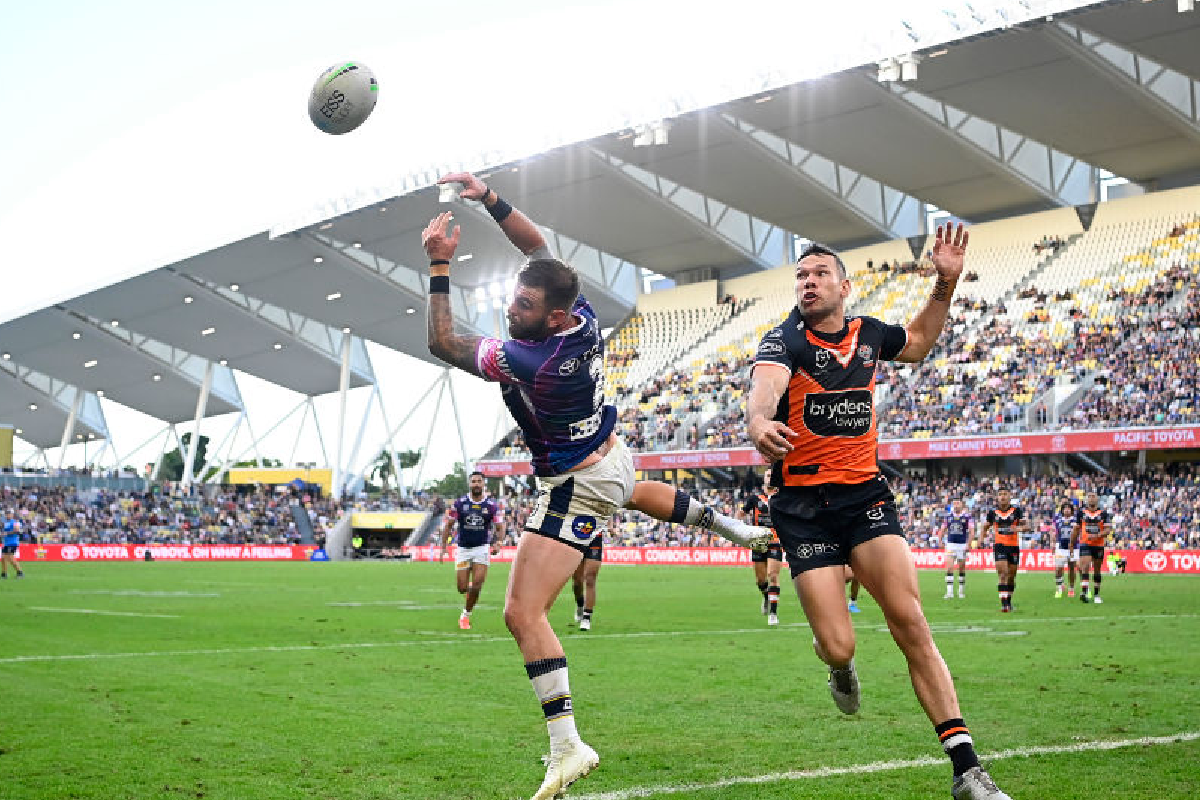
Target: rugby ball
column 343, row 97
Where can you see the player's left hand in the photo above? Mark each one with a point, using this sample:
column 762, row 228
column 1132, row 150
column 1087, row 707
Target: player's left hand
column 440, row 245
column 472, row 188
column 495, row 549
column 949, row 250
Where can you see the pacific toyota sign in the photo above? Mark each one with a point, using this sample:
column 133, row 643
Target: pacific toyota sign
column 69, row 552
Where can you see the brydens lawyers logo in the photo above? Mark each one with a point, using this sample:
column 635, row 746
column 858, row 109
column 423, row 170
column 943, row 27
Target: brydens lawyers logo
column 69, row 552
column 1155, row 561
column 584, row 527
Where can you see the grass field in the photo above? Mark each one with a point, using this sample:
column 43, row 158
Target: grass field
column 350, row 681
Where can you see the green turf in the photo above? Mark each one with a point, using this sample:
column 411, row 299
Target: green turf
column 254, row 685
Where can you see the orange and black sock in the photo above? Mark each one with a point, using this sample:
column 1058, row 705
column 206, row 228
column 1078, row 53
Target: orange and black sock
column 956, row 741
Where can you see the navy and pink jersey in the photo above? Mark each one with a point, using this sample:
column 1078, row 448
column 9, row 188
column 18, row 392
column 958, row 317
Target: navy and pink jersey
column 1062, row 530
column 475, row 519
column 554, row 389
column 958, row 527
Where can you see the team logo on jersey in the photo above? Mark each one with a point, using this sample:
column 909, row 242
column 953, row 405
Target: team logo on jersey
column 584, row 527
column 822, row 358
column 838, row 413
column 774, row 333
column 569, row 367
column 865, row 352
column 768, row 348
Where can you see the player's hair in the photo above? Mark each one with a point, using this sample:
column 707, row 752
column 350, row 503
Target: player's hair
column 817, row 249
column 559, row 282
column 477, row 472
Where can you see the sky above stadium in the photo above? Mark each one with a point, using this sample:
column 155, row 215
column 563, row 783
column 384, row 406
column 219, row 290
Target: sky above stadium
column 139, row 132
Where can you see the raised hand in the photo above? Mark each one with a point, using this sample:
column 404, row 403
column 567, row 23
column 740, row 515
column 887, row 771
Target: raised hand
column 438, row 244
column 472, row 187
column 949, row 250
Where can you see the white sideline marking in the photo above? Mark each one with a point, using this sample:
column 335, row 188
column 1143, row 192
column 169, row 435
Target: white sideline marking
column 574, row 638
column 884, row 766
column 103, row 613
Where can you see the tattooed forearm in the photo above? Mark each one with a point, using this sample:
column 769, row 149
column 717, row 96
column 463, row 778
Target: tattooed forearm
column 942, row 290
column 444, row 343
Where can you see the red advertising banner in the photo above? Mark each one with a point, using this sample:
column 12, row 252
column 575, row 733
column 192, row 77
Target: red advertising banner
column 165, row 552
column 1168, row 562
column 895, row 449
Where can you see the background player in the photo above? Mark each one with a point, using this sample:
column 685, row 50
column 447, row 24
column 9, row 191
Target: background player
column 480, row 524
column 958, row 531
column 1005, row 523
column 1065, row 555
column 1091, row 531
column 12, row 542
column 583, row 582
column 757, row 510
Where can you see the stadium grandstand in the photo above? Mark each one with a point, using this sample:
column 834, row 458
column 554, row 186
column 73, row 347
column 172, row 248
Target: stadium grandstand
column 1069, row 143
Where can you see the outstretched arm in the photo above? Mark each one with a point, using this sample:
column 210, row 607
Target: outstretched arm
column 519, row 229
column 949, row 251
column 455, row 349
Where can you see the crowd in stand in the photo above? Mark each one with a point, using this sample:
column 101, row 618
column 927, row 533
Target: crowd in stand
column 66, row 515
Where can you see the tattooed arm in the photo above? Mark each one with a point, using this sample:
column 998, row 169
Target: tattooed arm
column 949, row 251
column 455, row 349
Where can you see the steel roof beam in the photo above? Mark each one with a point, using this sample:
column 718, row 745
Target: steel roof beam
column 889, row 212
column 746, row 235
column 1058, row 178
column 1168, row 95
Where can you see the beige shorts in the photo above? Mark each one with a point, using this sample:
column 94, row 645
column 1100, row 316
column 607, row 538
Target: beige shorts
column 464, row 557
column 575, row 506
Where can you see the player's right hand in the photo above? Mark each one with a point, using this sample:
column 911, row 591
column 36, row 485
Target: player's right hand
column 770, row 438
column 472, row 187
column 440, row 245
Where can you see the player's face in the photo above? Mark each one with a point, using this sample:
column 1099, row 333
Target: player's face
column 476, row 484
column 528, row 317
column 1092, row 500
column 1066, row 509
column 820, row 288
column 957, row 506
column 1005, row 498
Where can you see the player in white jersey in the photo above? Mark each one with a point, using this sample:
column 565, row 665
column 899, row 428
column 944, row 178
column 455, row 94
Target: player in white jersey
column 958, row 531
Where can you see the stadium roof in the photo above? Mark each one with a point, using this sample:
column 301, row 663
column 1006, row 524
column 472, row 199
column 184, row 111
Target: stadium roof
column 1014, row 120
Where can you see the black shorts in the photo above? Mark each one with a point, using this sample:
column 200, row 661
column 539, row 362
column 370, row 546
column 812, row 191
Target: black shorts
column 10, row 548
column 1007, row 552
column 819, row 525
column 774, row 552
column 1093, row 552
column 595, row 550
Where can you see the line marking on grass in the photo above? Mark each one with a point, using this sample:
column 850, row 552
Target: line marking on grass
column 574, row 638
column 101, row 612
column 137, row 593
column 884, row 766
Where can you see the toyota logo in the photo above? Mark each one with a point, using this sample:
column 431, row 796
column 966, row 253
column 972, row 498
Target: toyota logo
column 1059, row 443
column 69, row 552
column 1155, row 561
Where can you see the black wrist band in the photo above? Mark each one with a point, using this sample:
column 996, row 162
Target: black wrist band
column 483, row 197
column 439, row 284
column 500, row 209
column 435, row 262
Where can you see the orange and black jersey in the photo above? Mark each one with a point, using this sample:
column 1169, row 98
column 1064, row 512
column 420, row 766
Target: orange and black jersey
column 758, row 506
column 1093, row 526
column 1006, row 523
column 830, row 399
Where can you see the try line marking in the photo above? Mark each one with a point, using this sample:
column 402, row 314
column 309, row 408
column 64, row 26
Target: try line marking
column 883, row 766
column 475, row 638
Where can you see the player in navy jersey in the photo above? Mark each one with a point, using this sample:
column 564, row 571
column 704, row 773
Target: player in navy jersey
column 480, row 523
column 551, row 373
column 1065, row 556
column 958, row 532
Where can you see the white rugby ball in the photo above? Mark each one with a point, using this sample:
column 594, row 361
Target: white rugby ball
column 343, row 97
